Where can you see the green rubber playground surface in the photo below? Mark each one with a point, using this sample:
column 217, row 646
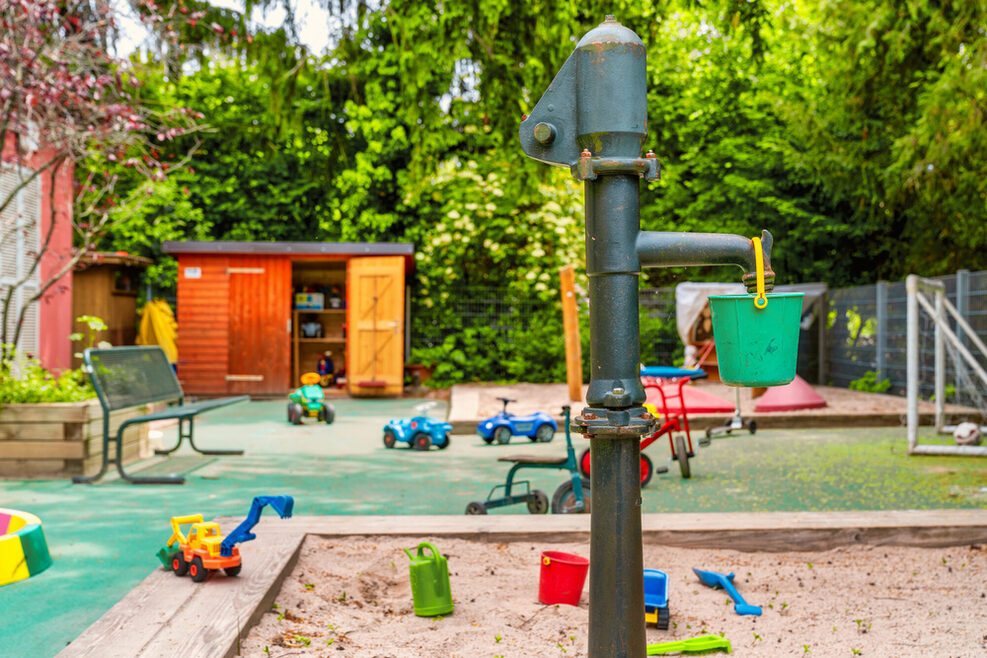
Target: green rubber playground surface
column 103, row 538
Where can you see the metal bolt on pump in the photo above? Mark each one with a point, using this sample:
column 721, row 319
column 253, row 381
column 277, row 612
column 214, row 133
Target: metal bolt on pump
column 593, row 119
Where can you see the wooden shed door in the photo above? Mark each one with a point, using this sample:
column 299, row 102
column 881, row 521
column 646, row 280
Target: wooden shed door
column 260, row 310
column 375, row 319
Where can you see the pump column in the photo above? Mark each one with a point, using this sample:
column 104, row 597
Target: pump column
column 615, row 580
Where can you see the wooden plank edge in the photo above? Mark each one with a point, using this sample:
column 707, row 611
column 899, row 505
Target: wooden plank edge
column 132, row 610
column 749, row 532
column 267, row 600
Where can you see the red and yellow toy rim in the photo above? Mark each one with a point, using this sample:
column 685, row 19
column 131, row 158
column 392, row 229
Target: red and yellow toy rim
column 23, row 549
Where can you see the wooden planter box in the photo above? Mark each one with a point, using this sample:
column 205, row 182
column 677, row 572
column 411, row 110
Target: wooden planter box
column 62, row 439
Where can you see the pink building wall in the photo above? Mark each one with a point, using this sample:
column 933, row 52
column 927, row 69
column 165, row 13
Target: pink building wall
column 55, row 307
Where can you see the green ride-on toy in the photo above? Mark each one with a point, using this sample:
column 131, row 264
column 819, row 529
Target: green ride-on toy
column 572, row 496
column 309, row 401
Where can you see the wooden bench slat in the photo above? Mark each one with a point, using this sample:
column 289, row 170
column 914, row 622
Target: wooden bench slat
column 42, row 450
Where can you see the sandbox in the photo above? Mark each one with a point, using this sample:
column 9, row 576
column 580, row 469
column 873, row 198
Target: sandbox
column 351, row 597
column 907, row 583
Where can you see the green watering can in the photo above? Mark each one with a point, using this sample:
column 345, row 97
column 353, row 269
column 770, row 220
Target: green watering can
column 430, row 582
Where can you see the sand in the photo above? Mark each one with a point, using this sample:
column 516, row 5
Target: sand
column 352, row 597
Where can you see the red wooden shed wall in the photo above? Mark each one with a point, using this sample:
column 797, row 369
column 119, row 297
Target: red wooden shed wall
column 203, row 324
column 233, row 332
column 260, row 334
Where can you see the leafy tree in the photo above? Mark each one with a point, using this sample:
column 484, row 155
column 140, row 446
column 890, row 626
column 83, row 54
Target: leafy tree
column 891, row 118
column 851, row 130
column 65, row 101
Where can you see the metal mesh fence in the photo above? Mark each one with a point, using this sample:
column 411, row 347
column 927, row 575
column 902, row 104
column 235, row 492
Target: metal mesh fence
column 490, row 334
column 491, row 325
column 510, row 315
column 855, row 335
column 851, row 337
column 504, row 313
column 660, row 342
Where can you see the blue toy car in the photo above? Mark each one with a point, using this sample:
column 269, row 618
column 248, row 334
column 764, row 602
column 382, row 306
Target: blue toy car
column 656, row 598
column 418, row 432
column 538, row 426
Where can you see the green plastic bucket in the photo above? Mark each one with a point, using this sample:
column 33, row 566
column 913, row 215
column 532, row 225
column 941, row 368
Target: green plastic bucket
column 756, row 347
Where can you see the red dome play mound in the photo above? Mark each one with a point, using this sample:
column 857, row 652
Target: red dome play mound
column 790, row 397
column 696, row 400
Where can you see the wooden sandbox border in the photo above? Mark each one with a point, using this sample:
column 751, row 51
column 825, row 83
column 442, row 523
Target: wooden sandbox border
column 169, row 616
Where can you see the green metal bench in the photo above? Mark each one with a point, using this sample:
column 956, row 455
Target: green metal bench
column 130, row 376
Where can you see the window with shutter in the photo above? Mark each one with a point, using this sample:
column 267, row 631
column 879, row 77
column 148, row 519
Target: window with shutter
column 19, row 246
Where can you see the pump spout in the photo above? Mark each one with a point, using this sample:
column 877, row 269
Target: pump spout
column 660, row 249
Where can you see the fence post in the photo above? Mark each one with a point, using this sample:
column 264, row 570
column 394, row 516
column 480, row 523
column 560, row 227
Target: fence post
column 882, row 330
column 823, row 319
column 570, row 328
column 963, row 308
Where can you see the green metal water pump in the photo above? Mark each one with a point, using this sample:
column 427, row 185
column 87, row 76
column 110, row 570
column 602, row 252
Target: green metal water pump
column 593, row 119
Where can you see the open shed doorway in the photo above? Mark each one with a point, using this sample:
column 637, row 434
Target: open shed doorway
column 318, row 317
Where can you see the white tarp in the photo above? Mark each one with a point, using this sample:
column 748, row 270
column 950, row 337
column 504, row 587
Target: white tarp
column 690, row 300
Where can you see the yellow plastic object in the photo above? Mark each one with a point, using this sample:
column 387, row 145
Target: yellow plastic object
column 760, row 301
column 651, row 615
column 176, row 528
column 207, row 536
column 158, row 327
column 23, row 549
column 653, row 410
column 311, row 378
column 200, row 534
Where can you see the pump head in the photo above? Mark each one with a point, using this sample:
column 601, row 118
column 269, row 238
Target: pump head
column 596, row 107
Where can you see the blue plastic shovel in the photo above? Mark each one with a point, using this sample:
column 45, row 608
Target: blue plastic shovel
column 714, row 580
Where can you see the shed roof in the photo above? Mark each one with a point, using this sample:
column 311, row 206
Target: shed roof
column 94, row 258
column 291, row 248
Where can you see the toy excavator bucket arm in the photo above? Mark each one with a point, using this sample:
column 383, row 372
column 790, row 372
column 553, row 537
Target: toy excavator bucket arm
column 283, row 505
column 176, row 527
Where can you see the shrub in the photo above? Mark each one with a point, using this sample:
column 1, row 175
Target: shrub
column 23, row 380
column 870, row 384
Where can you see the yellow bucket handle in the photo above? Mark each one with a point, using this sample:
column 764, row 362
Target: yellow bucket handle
column 546, row 560
column 760, row 301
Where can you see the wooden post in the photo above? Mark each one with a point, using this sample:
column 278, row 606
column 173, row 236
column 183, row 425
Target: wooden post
column 570, row 325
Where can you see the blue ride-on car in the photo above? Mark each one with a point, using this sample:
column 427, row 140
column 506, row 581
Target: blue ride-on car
column 538, row 426
column 419, row 432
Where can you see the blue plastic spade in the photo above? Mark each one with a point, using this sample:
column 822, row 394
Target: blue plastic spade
column 714, row 580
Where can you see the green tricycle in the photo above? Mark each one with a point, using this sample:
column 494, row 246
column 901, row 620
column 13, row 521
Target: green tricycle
column 309, row 401
column 572, row 496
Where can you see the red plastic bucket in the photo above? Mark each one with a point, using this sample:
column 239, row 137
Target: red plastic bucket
column 562, row 578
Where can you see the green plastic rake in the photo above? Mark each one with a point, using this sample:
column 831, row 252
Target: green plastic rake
column 702, row 644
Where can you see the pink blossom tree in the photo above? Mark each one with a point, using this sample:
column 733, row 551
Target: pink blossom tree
column 67, row 103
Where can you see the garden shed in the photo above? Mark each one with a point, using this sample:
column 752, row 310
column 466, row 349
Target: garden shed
column 253, row 316
column 104, row 285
